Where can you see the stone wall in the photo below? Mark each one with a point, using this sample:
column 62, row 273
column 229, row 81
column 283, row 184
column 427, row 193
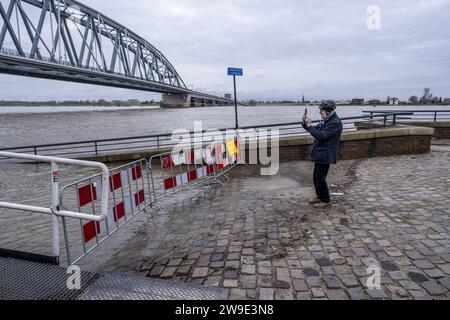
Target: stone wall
column 441, row 128
column 362, row 144
column 358, row 144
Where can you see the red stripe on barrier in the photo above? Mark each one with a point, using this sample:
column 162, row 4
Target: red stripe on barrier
column 192, row 175
column 166, row 162
column 119, row 211
column 87, row 194
column 139, row 197
column 136, row 172
column 89, row 230
column 115, row 182
column 211, row 168
column 169, row 183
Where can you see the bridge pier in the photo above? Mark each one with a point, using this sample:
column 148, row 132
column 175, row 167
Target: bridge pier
column 180, row 100
column 175, row 100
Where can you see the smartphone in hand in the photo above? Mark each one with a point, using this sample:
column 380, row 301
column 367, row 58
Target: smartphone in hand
column 306, row 113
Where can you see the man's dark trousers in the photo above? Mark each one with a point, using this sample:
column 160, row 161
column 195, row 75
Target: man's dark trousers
column 320, row 181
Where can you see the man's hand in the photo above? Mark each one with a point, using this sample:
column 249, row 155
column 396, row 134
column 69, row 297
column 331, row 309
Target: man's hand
column 307, row 121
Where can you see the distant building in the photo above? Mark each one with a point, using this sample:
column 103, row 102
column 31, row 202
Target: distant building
column 394, row 101
column 374, row 102
column 228, row 96
column 252, row 103
column 446, row 101
column 358, row 102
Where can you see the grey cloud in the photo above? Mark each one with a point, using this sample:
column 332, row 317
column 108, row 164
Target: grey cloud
column 288, row 48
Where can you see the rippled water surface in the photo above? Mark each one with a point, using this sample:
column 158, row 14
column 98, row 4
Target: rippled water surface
column 39, row 126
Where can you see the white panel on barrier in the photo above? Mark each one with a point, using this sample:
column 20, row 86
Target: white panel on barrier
column 200, row 173
column 184, row 178
column 124, row 177
column 178, row 180
column 127, row 204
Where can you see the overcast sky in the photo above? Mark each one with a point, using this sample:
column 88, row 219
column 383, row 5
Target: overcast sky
column 322, row 49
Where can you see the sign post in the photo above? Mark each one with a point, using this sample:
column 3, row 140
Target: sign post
column 235, row 72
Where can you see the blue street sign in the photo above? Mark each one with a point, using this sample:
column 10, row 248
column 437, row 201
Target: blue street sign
column 235, row 72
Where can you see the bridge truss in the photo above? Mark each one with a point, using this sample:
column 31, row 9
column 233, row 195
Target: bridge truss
column 66, row 40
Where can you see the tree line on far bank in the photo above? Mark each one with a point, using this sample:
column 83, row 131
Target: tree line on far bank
column 426, row 98
column 95, row 103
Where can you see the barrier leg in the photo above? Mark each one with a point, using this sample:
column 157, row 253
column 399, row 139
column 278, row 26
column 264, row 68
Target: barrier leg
column 55, row 208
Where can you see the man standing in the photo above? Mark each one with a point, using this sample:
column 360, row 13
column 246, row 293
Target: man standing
column 325, row 149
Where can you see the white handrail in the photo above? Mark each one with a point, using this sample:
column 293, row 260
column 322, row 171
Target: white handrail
column 55, row 210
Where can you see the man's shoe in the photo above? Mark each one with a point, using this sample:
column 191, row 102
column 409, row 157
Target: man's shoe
column 322, row 205
column 314, row 201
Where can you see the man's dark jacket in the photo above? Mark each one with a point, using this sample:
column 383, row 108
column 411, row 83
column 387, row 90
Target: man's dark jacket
column 328, row 135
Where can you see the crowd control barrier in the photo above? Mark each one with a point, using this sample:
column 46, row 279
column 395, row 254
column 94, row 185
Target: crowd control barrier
column 128, row 188
column 183, row 168
column 96, row 207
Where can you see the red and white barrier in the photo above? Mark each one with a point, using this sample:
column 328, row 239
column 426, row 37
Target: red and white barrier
column 212, row 160
column 90, row 193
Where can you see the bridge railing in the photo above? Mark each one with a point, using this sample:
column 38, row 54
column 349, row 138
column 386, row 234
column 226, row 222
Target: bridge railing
column 158, row 142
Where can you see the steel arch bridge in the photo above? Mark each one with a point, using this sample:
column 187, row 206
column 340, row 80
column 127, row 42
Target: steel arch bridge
column 66, row 40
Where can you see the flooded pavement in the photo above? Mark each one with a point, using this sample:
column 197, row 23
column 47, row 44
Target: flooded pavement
column 29, row 184
column 259, row 238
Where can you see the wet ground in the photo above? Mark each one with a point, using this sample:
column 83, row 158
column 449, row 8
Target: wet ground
column 259, row 237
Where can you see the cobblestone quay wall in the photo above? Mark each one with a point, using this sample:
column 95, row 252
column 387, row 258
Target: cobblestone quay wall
column 362, row 144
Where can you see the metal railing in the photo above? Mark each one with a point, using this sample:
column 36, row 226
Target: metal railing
column 158, row 142
column 55, row 209
column 415, row 115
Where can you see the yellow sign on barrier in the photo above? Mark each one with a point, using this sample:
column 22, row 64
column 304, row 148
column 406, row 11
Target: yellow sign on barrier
column 231, row 148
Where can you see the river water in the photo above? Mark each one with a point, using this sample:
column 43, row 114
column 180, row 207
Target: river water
column 24, row 126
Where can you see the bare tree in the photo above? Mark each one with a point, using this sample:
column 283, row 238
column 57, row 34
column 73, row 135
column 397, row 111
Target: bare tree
column 414, row 100
column 427, row 95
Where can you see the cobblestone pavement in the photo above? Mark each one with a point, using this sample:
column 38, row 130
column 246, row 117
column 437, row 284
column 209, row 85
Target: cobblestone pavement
column 257, row 236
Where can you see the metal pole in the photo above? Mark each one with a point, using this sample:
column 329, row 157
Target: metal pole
column 55, row 208
column 235, row 103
